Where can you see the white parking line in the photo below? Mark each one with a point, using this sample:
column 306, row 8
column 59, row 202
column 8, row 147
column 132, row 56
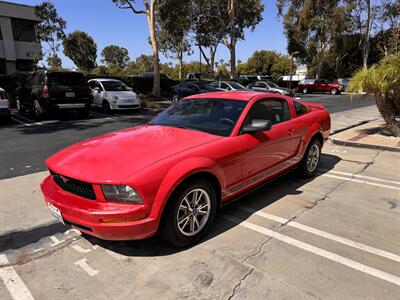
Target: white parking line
column 20, row 122
column 14, row 284
column 26, row 119
column 362, row 176
column 85, row 267
column 323, row 234
column 362, row 181
column 318, row 251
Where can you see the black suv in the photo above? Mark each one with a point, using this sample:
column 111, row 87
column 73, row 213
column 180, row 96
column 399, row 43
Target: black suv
column 41, row 92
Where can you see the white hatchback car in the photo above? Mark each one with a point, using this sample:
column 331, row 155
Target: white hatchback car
column 112, row 94
column 4, row 105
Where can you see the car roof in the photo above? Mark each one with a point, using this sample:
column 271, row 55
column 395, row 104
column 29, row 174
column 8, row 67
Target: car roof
column 232, row 95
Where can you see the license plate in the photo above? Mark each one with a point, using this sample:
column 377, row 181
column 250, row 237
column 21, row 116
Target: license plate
column 70, row 94
column 55, row 212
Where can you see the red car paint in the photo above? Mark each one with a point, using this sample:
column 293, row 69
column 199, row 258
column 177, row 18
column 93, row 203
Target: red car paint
column 154, row 160
column 319, row 86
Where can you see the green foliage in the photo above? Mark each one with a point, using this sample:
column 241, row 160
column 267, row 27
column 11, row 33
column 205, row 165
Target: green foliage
column 266, row 62
column 54, row 62
column 116, row 55
column 81, row 49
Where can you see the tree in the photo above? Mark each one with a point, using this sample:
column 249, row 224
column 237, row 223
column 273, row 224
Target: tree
column 81, row 49
column 362, row 15
column 54, row 62
column 240, row 15
column 388, row 37
column 149, row 10
column 383, row 81
column 311, row 26
column 116, row 55
column 174, row 22
column 50, row 30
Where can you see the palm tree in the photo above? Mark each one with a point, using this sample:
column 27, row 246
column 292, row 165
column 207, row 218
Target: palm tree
column 382, row 81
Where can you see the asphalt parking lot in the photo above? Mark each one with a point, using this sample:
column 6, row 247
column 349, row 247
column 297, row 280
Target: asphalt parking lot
column 27, row 144
column 336, row 236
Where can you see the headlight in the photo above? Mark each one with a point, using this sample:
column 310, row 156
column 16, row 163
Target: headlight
column 121, row 193
column 115, row 97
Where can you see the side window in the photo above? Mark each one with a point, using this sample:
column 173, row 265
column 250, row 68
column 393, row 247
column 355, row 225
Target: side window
column 224, row 86
column 274, row 110
column 300, row 108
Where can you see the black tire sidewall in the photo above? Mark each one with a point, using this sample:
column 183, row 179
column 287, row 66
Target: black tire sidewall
column 169, row 227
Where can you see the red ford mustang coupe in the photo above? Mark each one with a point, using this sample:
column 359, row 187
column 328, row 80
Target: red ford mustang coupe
column 172, row 174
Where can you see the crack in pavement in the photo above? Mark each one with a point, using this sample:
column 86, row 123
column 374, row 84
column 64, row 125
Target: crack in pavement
column 237, row 286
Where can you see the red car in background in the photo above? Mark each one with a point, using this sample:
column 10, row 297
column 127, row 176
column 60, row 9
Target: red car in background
column 174, row 173
column 307, row 86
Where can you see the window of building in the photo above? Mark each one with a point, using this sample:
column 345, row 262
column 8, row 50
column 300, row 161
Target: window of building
column 3, row 69
column 24, row 64
column 23, row 30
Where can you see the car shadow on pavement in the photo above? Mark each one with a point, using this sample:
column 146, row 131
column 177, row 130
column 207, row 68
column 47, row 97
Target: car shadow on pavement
column 261, row 198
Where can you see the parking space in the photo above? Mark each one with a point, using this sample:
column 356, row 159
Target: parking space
column 336, row 236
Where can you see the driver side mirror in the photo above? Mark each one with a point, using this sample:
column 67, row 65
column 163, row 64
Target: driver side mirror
column 97, row 89
column 257, row 125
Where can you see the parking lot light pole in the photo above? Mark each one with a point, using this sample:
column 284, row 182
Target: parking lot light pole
column 291, row 67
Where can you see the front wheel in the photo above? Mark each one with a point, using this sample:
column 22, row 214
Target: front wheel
column 106, row 107
column 190, row 214
column 311, row 159
column 334, row 91
column 305, row 91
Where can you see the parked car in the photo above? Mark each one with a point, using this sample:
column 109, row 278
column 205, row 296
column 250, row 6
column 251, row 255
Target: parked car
column 112, row 94
column 151, row 74
column 188, row 88
column 42, row 92
column 4, row 106
column 270, row 87
column 228, row 86
column 319, row 85
column 198, row 154
column 193, row 76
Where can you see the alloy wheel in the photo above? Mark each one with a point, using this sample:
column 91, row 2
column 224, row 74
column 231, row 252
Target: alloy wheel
column 313, row 158
column 193, row 212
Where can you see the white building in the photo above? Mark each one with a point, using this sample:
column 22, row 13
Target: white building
column 18, row 43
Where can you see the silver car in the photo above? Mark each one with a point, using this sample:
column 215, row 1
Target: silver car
column 4, row 105
column 270, row 87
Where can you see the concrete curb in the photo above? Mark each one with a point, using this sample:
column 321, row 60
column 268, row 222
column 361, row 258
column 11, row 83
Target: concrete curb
column 362, row 145
column 338, row 130
column 15, row 239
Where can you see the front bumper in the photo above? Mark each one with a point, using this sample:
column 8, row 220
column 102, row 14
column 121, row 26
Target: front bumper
column 93, row 216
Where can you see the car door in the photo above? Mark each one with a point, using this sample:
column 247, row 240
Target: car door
column 97, row 92
column 272, row 148
column 324, row 86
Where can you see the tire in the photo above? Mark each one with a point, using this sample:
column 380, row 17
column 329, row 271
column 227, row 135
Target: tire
column 106, row 107
column 309, row 164
column 334, row 91
column 305, row 91
column 20, row 108
column 180, row 207
column 38, row 111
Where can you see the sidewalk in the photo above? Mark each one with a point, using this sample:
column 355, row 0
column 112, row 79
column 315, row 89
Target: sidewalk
column 346, row 119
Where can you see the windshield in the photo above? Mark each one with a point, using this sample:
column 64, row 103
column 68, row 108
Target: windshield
column 66, row 79
column 271, row 84
column 114, row 85
column 237, row 86
column 214, row 116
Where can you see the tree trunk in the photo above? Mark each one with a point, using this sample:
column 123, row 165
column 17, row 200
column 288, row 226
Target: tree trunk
column 154, row 45
column 180, row 59
column 365, row 48
column 232, row 51
column 232, row 45
column 387, row 109
column 213, row 51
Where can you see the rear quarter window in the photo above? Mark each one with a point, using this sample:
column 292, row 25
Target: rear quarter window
column 300, row 108
column 66, row 79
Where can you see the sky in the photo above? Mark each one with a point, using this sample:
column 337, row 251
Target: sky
column 107, row 24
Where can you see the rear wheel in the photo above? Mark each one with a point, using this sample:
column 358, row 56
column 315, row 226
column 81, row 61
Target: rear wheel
column 38, row 110
column 189, row 214
column 311, row 159
column 305, row 91
column 20, row 108
column 334, row 91
column 106, row 107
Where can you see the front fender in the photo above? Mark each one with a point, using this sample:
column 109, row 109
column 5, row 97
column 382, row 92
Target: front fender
column 177, row 174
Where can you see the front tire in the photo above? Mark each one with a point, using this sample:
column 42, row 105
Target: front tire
column 106, row 107
column 189, row 214
column 334, row 91
column 305, row 91
column 311, row 159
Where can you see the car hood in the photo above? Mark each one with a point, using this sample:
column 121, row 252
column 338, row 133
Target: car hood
column 121, row 94
column 115, row 156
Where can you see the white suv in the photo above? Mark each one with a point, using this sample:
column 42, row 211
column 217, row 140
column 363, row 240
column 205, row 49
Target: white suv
column 4, row 106
column 112, row 94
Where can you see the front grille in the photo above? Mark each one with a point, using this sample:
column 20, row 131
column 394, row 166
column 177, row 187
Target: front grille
column 74, row 186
